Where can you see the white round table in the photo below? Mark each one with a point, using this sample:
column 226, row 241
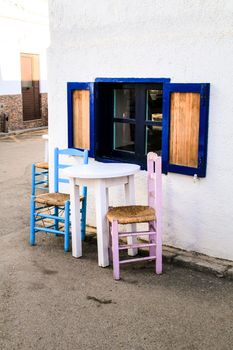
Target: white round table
column 101, row 176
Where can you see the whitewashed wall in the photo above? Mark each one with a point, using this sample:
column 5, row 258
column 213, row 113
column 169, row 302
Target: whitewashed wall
column 187, row 41
column 23, row 29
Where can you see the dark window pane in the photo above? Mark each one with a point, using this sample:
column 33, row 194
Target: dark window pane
column 124, row 137
column 154, row 105
column 153, row 139
column 124, row 103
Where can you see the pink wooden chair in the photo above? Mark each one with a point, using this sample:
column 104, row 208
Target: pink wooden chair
column 140, row 214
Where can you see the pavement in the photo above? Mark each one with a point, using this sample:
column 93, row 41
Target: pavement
column 49, row 300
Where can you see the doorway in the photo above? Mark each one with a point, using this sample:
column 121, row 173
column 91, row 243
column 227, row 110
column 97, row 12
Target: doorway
column 30, row 86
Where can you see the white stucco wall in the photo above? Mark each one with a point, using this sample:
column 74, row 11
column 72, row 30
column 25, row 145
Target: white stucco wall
column 187, row 41
column 24, row 28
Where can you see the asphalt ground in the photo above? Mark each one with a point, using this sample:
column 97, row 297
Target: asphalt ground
column 49, row 300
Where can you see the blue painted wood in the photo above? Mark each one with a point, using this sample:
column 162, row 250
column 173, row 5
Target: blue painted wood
column 72, row 86
column 71, row 152
column 67, row 226
column 41, row 173
column 56, row 218
column 56, row 155
column 84, row 203
column 47, row 230
column 32, row 221
column 64, row 181
column 132, row 80
column 203, row 89
column 165, row 128
column 38, row 173
column 83, row 218
column 63, row 166
column 40, row 182
column 47, row 216
column 85, row 156
column 33, row 179
column 37, row 213
column 203, row 131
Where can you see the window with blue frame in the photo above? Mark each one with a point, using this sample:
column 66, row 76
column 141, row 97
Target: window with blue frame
column 122, row 120
column 128, row 121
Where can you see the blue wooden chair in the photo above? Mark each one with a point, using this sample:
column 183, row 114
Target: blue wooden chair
column 53, row 209
column 40, row 177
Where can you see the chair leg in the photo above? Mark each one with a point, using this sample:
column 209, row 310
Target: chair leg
column 67, row 227
column 33, row 179
column 158, row 260
column 83, row 219
column 32, row 221
column 110, row 243
column 56, row 222
column 152, row 238
column 115, row 250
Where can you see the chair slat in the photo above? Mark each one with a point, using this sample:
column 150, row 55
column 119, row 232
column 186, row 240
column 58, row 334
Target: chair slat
column 139, row 233
column 63, row 166
column 65, row 181
column 137, row 259
column 139, row 245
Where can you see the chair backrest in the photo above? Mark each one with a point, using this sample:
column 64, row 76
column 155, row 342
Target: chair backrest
column 58, row 165
column 154, row 183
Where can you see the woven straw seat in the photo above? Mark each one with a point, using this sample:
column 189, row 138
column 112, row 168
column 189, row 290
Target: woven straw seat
column 42, row 165
column 55, row 198
column 131, row 214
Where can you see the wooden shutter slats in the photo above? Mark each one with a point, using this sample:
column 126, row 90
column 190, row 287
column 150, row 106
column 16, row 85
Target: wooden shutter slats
column 81, row 119
column 184, row 128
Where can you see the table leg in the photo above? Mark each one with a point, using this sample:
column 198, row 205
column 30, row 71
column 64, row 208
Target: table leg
column 101, row 195
column 130, row 200
column 75, row 219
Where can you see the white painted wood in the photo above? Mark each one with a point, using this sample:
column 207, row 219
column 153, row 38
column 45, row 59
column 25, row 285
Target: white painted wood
column 109, row 182
column 101, row 222
column 130, row 200
column 75, row 220
column 101, row 176
column 100, row 170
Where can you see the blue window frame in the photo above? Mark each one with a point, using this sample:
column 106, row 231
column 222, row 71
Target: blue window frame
column 203, row 91
column 126, row 123
column 103, row 143
column 71, row 87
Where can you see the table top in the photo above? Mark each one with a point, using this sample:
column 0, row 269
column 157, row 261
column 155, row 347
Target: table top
column 98, row 170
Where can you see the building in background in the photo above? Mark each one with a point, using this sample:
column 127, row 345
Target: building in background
column 24, row 38
column 128, row 77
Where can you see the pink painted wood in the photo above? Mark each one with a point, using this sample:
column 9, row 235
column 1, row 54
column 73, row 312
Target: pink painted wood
column 154, row 186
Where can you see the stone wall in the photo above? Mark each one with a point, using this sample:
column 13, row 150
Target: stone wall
column 13, row 108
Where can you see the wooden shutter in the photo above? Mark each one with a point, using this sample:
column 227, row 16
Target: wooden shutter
column 80, row 98
column 81, row 119
column 185, row 126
